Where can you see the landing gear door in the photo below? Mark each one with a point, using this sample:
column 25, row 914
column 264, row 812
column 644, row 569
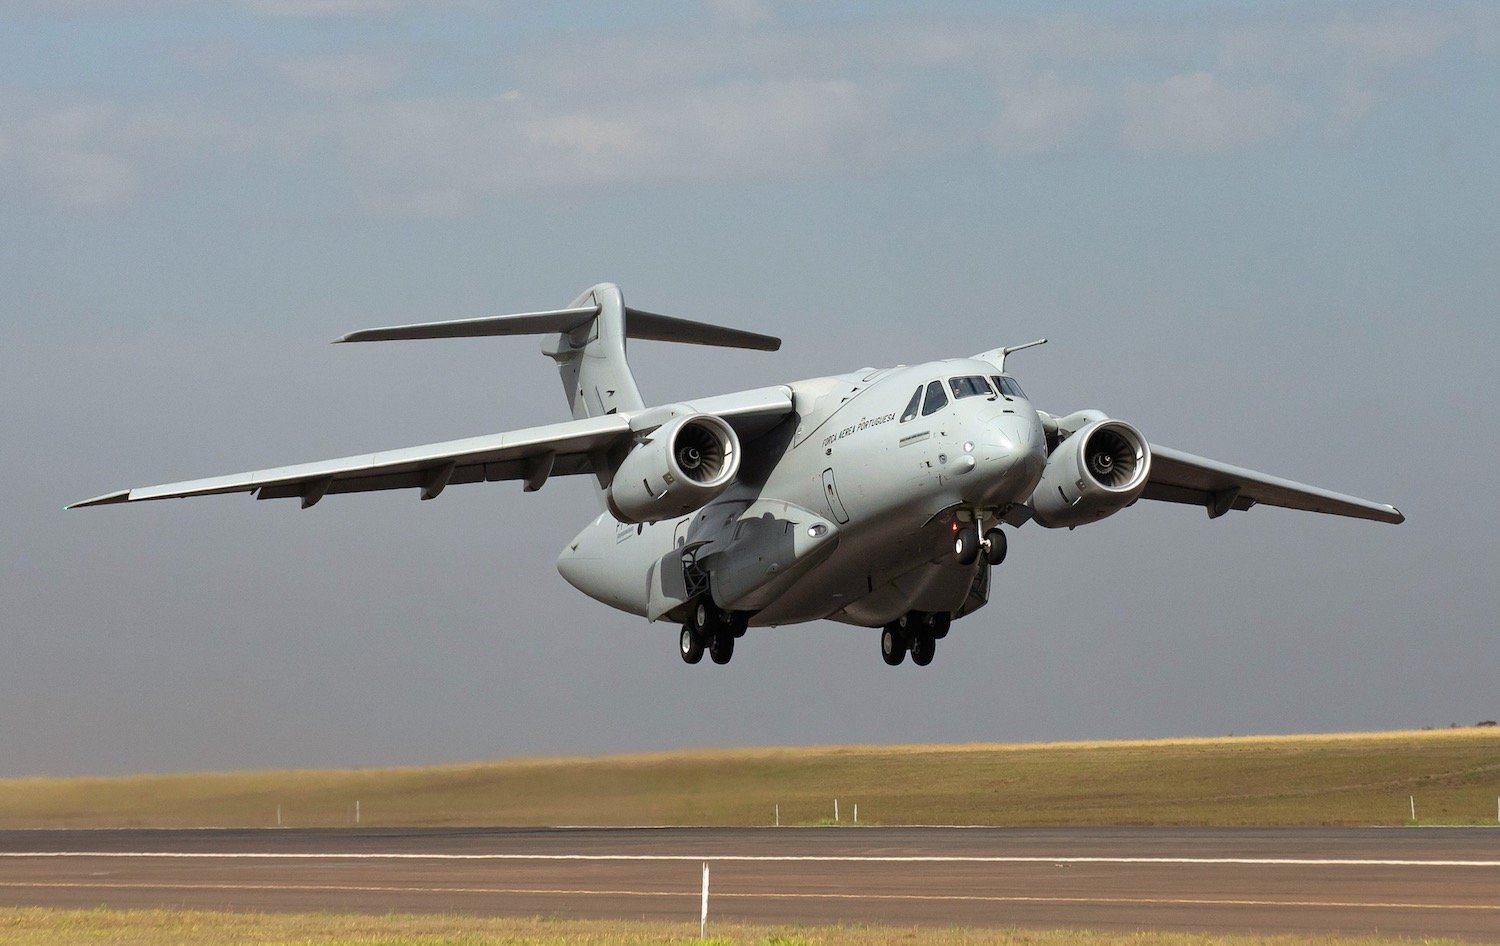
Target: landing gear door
column 831, row 493
column 979, row 592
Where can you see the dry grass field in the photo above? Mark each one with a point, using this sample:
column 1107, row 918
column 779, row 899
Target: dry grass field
column 39, row 927
column 1350, row 779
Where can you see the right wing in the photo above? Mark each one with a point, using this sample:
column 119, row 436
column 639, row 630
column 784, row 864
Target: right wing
column 532, row 455
column 1178, row 477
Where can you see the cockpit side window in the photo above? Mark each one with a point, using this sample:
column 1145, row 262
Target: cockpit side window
column 971, row 386
column 912, row 406
column 936, row 399
column 1009, row 387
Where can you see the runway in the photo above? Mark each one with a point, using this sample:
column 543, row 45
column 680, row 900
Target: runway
column 1410, row 882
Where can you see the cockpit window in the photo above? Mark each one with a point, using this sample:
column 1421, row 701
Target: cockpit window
column 936, row 399
column 1009, row 387
column 970, row 387
column 912, row 406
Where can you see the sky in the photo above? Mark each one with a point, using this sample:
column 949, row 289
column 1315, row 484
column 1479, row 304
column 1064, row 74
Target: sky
column 1268, row 234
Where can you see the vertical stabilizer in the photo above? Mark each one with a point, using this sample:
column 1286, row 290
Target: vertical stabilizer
column 591, row 357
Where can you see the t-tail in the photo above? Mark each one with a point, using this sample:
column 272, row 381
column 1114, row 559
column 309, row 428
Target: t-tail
column 587, row 340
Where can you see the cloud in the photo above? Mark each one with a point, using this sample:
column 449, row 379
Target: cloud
column 342, row 74
column 438, row 157
column 714, row 101
column 1046, row 114
column 1194, row 113
column 743, row 12
column 322, row 9
column 86, row 153
column 1385, row 43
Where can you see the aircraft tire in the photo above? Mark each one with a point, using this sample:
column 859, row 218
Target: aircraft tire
column 966, row 545
column 708, row 619
column 893, row 646
column 923, row 648
column 721, row 648
column 938, row 623
column 692, row 647
column 994, row 546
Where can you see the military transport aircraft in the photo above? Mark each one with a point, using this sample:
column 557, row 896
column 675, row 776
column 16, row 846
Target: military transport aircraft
column 875, row 498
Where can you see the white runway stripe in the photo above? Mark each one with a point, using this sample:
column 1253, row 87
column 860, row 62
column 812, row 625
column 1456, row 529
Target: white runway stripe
column 801, row 895
column 763, row 858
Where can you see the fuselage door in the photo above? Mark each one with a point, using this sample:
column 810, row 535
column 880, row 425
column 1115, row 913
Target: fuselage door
column 831, row 493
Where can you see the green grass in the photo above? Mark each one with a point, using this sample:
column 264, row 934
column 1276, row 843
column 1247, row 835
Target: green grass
column 1266, row 780
column 28, row 926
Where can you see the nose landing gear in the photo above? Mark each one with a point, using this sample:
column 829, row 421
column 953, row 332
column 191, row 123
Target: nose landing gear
column 968, row 546
column 994, row 546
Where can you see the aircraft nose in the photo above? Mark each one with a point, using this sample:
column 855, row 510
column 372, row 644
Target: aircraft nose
column 1014, row 448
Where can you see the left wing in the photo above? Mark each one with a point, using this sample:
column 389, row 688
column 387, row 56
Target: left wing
column 1178, row 477
column 532, row 454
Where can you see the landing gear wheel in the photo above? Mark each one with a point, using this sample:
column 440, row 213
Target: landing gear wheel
column 708, row 618
column 893, row 646
column 692, row 647
column 721, row 648
column 994, row 546
column 966, row 545
column 738, row 621
column 922, row 649
column 938, row 623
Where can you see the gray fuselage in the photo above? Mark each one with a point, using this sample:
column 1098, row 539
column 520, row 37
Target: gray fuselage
column 846, row 511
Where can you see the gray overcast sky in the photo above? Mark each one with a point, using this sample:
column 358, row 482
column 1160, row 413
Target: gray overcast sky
column 1269, row 235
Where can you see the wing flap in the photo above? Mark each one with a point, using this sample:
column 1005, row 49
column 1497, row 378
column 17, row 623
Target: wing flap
column 1178, row 477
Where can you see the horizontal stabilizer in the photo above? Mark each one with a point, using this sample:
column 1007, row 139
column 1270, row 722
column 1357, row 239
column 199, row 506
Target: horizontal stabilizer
column 665, row 328
column 638, row 324
column 524, row 323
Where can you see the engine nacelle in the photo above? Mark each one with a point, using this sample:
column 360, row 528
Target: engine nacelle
column 686, row 463
column 1098, row 470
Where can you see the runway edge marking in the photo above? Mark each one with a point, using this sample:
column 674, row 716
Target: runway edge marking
column 763, row 858
column 771, row 895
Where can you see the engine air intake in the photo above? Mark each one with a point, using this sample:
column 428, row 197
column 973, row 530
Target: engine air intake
column 1098, row 470
column 682, row 466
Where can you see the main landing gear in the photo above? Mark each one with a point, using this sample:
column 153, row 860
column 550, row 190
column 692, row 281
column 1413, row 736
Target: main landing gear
column 917, row 632
column 709, row 628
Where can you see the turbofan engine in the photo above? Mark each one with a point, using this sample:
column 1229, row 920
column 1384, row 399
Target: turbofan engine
column 1098, row 470
column 685, row 464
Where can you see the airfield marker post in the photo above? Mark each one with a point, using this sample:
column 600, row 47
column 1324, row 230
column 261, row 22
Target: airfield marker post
column 856, row 812
column 778, row 811
column 356, row 811
column 835, row 809
column 703, row 917
column 1413, row 807
column 278, row 816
